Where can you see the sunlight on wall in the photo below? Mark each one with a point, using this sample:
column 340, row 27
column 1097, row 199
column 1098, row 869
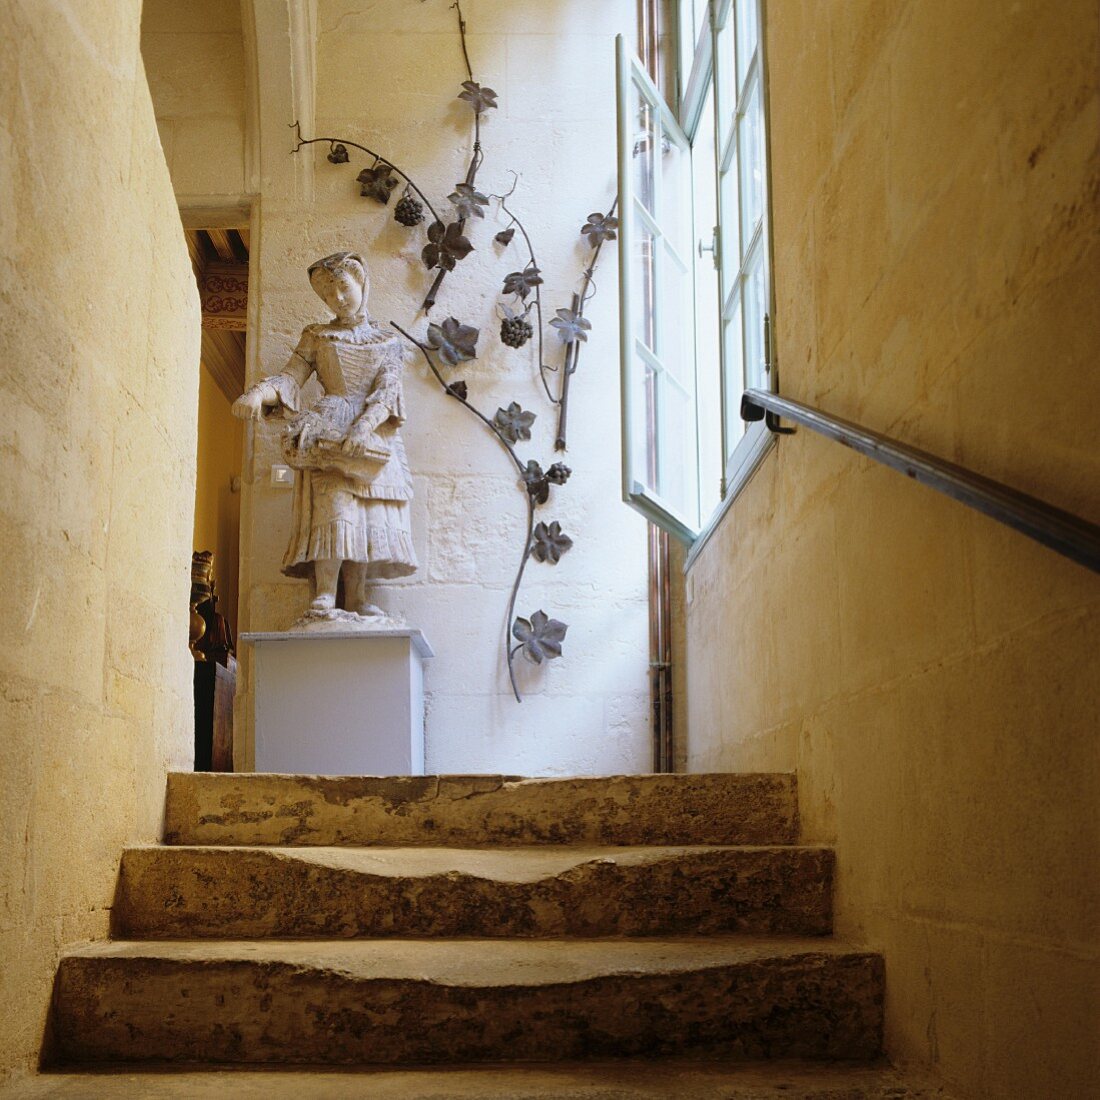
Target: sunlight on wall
column 931, row 675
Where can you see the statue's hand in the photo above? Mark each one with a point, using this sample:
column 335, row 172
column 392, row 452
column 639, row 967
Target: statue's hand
column 362, row 440
column 250, row 405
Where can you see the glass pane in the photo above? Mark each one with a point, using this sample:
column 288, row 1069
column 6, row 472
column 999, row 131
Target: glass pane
column 676, row 460
column 750, row 155
column 643, row 284
column 730, row 222
column 674, row 218
column 747, row 34
column 724, row 74
column 733, row 372
column 645, row 142
column 754, row 307
column 675, row 331
column 708, row 372
column 642, row 403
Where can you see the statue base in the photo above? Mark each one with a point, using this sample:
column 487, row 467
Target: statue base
column 338, row 698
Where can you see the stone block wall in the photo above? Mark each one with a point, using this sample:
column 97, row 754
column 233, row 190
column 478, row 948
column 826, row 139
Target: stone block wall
column 99, row 338
column 930, row 674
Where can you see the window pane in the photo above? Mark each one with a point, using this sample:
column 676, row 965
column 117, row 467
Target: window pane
column 734, row 375
column 747, row 34
column 708, row 356
column 676, row 459
column 754, row 306
column 724, row 74
column 674, row 217
column 645, row 143
column 643, row 284
column 750, row 155
column 675, row 335
column 730, row 223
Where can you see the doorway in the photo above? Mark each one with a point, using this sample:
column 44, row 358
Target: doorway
column 219, row 257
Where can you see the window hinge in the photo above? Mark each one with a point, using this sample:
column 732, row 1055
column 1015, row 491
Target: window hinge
column 767, row 344
column 723, row 487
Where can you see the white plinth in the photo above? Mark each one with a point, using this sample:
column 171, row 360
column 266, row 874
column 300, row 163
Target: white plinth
column 340, row 702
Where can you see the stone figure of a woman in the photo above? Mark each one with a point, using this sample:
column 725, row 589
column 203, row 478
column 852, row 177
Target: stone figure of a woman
column 353, row 488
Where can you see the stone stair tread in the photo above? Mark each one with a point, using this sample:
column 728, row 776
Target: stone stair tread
column 645, row 1080
column 519, row 864
column 479, row 963
column 472, row 810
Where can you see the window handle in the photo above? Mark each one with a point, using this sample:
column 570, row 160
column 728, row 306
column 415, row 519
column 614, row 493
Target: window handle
column 712, row 247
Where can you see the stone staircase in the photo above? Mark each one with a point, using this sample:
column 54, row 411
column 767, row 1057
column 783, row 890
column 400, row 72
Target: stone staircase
column 344, row 921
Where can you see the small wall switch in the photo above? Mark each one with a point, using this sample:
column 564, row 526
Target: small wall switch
column 282, row 476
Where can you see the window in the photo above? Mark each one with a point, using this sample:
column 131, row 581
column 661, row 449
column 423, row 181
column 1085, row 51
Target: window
column 695, row 268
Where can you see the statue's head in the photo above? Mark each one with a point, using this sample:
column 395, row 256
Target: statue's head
column 342, row 283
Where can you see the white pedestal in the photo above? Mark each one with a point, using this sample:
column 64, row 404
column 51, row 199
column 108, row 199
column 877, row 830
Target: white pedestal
column 339, row 702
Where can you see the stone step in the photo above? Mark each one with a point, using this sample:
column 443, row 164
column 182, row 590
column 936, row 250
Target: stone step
column 461, row 1001
column 227, row 893
column 641, row 1080
column 478, row 811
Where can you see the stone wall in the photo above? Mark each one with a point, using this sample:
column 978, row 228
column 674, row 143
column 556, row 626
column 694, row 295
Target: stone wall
column 100, row 340
column 388, row 77
column 930, row 674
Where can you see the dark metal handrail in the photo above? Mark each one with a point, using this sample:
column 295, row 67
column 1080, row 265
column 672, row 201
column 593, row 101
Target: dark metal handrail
column 1070, row 535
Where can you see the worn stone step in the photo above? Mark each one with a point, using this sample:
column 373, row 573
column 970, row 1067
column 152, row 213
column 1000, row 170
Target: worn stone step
column 640, row 1080
column 431, row 1001
column 183, row 892
column 478, row 811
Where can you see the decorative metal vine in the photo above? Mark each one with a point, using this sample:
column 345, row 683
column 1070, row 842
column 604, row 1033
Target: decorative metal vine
column 447, row 345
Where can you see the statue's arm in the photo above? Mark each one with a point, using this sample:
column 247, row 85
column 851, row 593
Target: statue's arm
column 280, row 390
column 386, row 401
column 385, row 404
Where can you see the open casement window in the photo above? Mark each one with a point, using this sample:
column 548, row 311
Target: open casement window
column 660, row 429
column 695, row 269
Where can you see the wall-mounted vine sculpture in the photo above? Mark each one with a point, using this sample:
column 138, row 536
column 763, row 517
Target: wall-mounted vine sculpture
column 447, row 345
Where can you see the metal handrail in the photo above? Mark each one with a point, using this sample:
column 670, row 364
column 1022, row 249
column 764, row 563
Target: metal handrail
column 1062, row 531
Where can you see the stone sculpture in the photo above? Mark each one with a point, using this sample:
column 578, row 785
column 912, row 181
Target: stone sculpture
column 353, row 489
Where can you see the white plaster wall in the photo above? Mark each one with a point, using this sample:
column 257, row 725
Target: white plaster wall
column 388, row 76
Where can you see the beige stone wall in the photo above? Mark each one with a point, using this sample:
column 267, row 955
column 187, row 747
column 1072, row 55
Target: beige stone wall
column 931, row 675
column 99, row 340
column 388, row 77
column 195, row 58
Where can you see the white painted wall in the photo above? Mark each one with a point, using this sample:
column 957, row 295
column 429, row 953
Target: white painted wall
column 388, row 74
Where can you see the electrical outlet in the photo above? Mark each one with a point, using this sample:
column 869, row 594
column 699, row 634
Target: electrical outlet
column 282, row 477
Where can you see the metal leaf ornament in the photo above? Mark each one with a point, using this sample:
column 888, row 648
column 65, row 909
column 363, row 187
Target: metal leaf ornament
column 481, row 99
column 446, row 246
column 468, row 201
column 377, row 183
column 599, row 228
column 541, row 636
column 571, row 326
column 338, row 154
column 459, row 389
column 505, row 236
column 549, row 543
column 454, row 341
column 514, row 423
column 538, row 487
column 522, row 282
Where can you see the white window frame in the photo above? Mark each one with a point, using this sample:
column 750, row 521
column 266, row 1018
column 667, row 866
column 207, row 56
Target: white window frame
column 742, row 450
